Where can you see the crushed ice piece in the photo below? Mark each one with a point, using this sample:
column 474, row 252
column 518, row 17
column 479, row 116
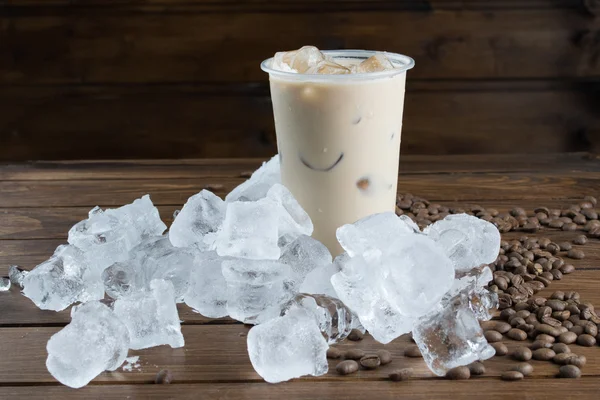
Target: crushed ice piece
column 131, row 363
column 203, row 213
column 334, row 319
column 376, row 231
column 288, row 347
column 250, row 230
column 4, row 284
column 299, row 61
column 376, row 63
column 95, row 341
column 451, row 336
column 318, row 281
column 327, row 67
column 293, row 220
column 394, row 280
column 62, row 280
column 207, row 289
column 304, row 255
column 120, row 279
column 256, row 289
column 151, row 316
column 467, row 240
column 16, row 275
column 259, row 183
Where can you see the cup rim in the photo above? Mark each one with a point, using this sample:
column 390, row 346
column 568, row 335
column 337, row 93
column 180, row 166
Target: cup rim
column 403, row 62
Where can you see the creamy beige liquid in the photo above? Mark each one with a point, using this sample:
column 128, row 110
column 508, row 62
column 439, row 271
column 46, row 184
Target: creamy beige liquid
column 339, row 143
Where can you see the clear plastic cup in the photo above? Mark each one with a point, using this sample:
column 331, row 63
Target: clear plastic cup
column 339, row 139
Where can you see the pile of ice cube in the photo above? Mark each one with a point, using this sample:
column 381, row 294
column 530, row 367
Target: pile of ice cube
column 251, row 257
column 309, row 60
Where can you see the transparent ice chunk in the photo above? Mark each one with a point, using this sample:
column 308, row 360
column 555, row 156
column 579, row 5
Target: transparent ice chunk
column 304, row 255
column 293, row 220
column 259, row 183
column 4, row 284
column 327, row 67
column 95, row 341
column 376, row 63
column 16, row 275
column 288, row 347
column 318, row 281
column 299, row 61
column 202, row 214
column 207, row 290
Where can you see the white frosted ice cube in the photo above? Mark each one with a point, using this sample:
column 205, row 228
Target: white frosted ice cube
column 207, row 290
column 250, row 230
column 318, row 281
column 467, row 240
column 151, row 316
column 375, row 63
column 256, row 288
column 259, row 183
column 16, row 275
column 203, row 213
column 299, row 61
column 4, row 284
column 288, row 347
column 293, row 219
column 95, row 341
column 304, row 255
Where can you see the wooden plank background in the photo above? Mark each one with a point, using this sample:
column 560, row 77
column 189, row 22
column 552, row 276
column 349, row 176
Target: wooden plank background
column 112, row 79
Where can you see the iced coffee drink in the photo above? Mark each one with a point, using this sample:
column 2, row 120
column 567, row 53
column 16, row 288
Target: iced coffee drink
column 338, row 120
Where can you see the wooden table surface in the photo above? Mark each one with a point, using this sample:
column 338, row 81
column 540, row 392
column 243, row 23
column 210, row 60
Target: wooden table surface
column 40, row 201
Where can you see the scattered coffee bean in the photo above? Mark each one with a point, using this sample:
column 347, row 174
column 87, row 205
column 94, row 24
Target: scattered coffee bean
column 561, row 348
column 412, row 351
column 543, row 354
column 477, row 368
column 517, row 334
column 522, row 354
column 354, row 354
column 580, row 240
column 370, row 361
column 458, row 373
column 570, row 226
column 565, row 246
column 401, row 374
column 516, row 321
column 569, row 359
column 347, row 367
column 556, row 305
column 576, row 254
column 577, row 330
column 545, row 338
column 501, row 349
column 355, row 335
column 493, row 336
column 511, row 376
column 567, row 324
column 163, row 377
column 385, row 356
column 558, row 295
column 334, row 353
column 538, row 344
column 524, row 368
column 586, row 340
column 569, row 372
column 547, row 329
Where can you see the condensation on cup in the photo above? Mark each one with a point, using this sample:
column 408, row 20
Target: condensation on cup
column 338, row 120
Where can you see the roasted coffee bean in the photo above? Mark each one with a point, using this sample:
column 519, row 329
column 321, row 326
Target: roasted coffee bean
column 570, row 226
column 576, row 254
column 544, row 311
column 553, row 322
column 569, row 372
column 562, row 329
column 507, row 313
column 511, row 376
column 572, row 295
column 522, row 354
column 556, row 274
column 546, row 338
column 523, row 313
column 558, row 295
column 565, row 246
column 578, row 361
column 347, row 367
column 586, row 340
column 401, row 374
column 553, row 248
column 577, row 329
column 543, row 354
column 522, row 306
column 531, row 320
column 557, row 263
column 561, row 348
column 543, row 242
column 477, row 368
column 356, row 335
column 370, row 361
column 334, row 353
column 501, row 349
column 561, row 316
column 567, row 324
column 538, row 301
column 518, row 212
column 567, row 337
column 556, row 305
column 580, row 240
column 412, row 351
column 555, row 223
column 517, row 334
column 458, row 373
column 564, row 358
column 544, row 279
column 547, row 329
column 523, row 367
column 538, row 344
column 573, row 309
column 385, row 356
column 164, row 377
column 526, row 328
column 580, row 219
column 514, row 322
column 591, row 329
column 354, row 354
column 499, row 326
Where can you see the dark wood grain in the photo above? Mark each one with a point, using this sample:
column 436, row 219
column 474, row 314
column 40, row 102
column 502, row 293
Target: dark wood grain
column 175, row 121
column 103, row 44
column 531, row 389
